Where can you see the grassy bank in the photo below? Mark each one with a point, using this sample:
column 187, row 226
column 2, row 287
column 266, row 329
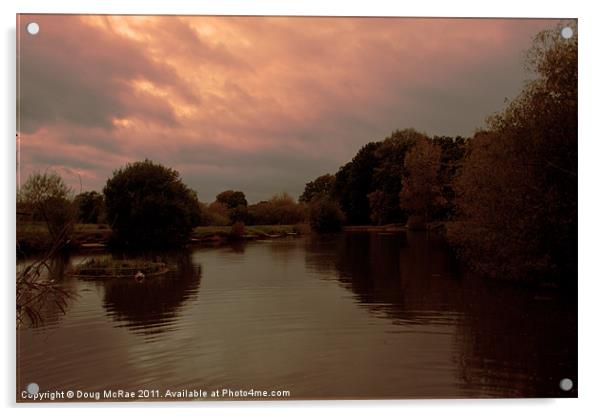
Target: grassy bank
column 210, row 233
column 34, row 237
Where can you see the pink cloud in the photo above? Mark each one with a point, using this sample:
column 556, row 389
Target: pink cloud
column 210, row 95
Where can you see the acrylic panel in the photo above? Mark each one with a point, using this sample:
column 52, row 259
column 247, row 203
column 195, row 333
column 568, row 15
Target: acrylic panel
column 294, row 208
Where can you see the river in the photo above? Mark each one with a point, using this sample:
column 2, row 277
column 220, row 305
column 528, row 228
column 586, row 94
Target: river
column 358, row 315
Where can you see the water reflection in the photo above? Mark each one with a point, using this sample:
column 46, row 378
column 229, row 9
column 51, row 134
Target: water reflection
column 510, row 340
column 359, row 315
column 150, row 306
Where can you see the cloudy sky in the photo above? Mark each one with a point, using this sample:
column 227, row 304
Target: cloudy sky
column 252, row 103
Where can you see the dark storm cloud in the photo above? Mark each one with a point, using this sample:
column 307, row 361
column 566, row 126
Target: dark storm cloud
column 258, row 104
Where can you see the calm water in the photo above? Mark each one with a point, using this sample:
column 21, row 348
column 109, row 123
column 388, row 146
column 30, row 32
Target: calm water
column 361, row 315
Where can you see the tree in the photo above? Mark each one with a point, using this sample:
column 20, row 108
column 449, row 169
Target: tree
column 453, row 151
column 321, row 186
column 325, row 215
column 47, row 197
column 90, row 206
column 372, row 180
column 148, row 206
column 280, row 209
column 517, row 191
column 354, row 181
column 232, row 199
column 219, row 214
column 389, row 171
column 378, row 207
column 421, row 187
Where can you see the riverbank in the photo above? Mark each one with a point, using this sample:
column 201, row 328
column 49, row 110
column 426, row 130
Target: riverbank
column 33, row 237
column 218, row 234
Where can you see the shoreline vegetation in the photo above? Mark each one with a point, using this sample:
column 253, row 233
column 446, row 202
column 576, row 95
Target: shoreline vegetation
column 506, row 198
column 34, row 238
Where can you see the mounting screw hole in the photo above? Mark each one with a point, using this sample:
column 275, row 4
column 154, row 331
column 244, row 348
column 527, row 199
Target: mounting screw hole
column 566, row 32
column 33, row 388
column 33, row 28
column 566, row 384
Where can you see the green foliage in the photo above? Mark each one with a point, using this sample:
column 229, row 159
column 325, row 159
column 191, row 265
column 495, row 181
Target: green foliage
column 148, row 206
column 90, row 206
column 325, row 216
column 321, row 186
column 517, row 192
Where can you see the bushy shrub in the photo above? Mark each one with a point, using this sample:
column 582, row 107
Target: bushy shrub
column 280, row 209
column 325, row 216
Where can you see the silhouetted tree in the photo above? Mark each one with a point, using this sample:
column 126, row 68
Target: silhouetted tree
column 48, row 198
column 232, row 199
column 354, row 181
column 148, row 205
column 421, row 186
column 453, row 150
column 90, row 206
column 517, row 192
column 379, row 206
column 321, row 186
column 389, row 171
column 325, row 215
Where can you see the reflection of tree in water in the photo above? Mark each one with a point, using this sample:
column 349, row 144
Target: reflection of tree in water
column 151, row 307
column 238, row 247
column 283, row 250
column 509, row 340
column 517, row 341
column 394, row 273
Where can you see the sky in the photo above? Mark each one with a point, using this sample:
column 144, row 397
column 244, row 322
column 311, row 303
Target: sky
column 258, row 104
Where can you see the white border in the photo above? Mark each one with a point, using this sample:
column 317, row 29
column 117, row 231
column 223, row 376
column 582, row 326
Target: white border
column 590, row 152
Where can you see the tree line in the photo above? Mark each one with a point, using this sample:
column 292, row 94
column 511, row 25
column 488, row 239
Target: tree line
column 507, row 196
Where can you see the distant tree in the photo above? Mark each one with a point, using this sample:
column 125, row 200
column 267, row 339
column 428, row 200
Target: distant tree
column 421, row 185
column 378, row 166
column 517, row 191
column 325, row 215
column 148, row 206
column 280, row 209
column 389, row 171
column 219, row 214
column 90, row 206
column 354, row 181
column 232, row 199
column 48, row 199
column 321, row 186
